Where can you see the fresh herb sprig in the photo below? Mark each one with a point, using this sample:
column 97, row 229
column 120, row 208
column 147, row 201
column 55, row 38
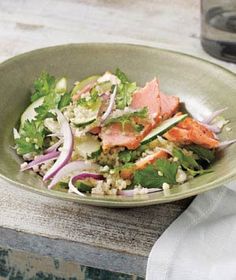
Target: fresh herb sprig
column 31, row 138
column 43, row 86
column 189, row 163
column 125, row 90
column 129, row 119
column 155, row 175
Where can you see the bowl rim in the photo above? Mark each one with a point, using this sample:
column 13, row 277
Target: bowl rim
column 127, row 202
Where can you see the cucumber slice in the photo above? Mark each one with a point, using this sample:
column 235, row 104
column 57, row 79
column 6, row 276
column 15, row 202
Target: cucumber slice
column 87, row 145
column 29, row 113
column 163, row 127
column 85, row 122
column 84, row 83
column 84, row 116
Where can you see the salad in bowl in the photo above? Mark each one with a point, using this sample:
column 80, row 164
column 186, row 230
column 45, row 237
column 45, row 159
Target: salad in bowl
column 109, row 136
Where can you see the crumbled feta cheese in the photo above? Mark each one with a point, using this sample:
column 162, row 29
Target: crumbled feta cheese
column 98, row 189
column 104, row 168
column 69, row 112
column 112, row 192
column 120, row 184
column 165, row 186
column 160, row 173
column 181, row 176
column 228, row 129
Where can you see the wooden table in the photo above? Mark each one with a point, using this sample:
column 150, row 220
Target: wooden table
column 51, row 236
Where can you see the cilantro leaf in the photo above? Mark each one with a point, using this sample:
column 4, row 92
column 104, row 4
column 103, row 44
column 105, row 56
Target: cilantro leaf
column 121, row 75
column 168, row 169
column 43, row 86
column 31, row 139
column 124, row 91
column 65, row 100
column 92, row 102
column 199, row 172
column 203, row 153
column 188, row 162
column 50, row 102
column 124, row 95
column 125, row 156
column 149, row 177
column 128, row 118
column 128, row 156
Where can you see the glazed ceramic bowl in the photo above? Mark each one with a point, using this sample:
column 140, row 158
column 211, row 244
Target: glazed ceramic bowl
column 202, row 86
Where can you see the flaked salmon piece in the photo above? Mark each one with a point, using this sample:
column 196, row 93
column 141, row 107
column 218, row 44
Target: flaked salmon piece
column 169, row 105
column 178, row 135
column 189, row 123
column 199, row 136
column 126, row 173
column 114, row 135
column 159, row 105
column 143, row 162
column 95, row 130
column 148, row 96
column 191, row 131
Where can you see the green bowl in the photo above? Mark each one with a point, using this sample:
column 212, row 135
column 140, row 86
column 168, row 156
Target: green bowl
column 202, row 86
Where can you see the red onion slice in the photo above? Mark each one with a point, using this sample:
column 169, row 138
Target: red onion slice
column 213, row 127
column 73, row 189
column 71, row 168
column 213, row 115
column 132, row 193
column 105, row 96
column 54, row 146
column 41, row 159
column 67, row 148
column 225, row 144
column 82, row 176
column 85, row 175
column 110, row 106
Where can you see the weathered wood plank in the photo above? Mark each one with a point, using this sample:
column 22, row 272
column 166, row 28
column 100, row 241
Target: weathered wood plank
column 133, row 231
